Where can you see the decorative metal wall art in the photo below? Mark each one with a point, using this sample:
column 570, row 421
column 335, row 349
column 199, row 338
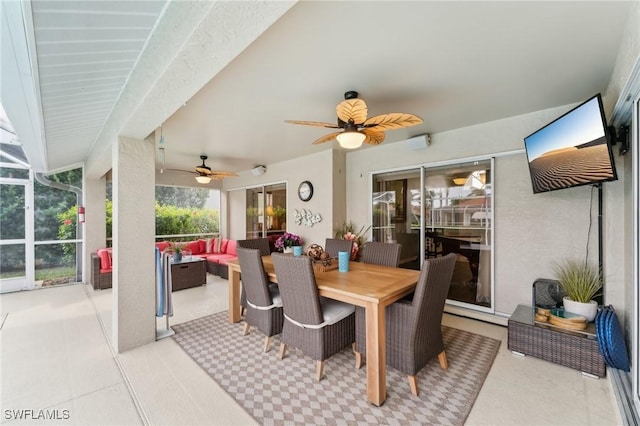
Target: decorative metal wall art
column 306, row 217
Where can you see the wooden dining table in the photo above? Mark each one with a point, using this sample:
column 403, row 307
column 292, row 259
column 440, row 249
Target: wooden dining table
column 371, row 286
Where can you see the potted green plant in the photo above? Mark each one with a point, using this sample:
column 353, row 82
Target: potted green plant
column 581, row 282
column 176, row 250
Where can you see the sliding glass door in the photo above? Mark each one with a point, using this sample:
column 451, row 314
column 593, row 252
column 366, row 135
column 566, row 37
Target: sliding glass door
column 434, row 211
column 266, row 210
column 396, row 213
column 457, row 211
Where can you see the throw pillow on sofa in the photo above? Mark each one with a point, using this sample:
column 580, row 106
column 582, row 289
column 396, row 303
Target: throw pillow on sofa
column 223, row 246
column 163, row 245
column 231, row 247
column 106, row 261
column 193, row 247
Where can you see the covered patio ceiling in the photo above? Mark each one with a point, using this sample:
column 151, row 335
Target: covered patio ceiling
column 221, row 77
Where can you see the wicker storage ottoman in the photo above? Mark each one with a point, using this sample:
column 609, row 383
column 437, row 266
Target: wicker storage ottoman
column 188, row 273
column 574, row 349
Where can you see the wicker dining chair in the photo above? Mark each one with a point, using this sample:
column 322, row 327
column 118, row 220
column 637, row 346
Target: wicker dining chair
column 318, row 326
column 414, row 334
column 385, row 254
column 334, row 245
column 261, row 244
column 264, row 303
column 377, row 253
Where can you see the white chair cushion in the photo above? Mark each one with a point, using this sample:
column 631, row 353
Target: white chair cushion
column 332, row 312
column 275, row 298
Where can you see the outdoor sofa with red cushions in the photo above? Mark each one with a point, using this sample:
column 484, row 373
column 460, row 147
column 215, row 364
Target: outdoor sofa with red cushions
column 216, row 251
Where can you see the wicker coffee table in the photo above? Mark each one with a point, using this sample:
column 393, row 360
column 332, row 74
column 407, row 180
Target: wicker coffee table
column 574, row 349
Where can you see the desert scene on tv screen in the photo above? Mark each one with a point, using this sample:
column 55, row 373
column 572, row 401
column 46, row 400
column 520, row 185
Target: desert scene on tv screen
column 570, row 166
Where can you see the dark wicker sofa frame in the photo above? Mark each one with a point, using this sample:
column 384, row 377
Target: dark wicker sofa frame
column 99, row 281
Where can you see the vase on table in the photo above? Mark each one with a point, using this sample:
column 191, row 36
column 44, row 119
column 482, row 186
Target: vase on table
column 288, row 250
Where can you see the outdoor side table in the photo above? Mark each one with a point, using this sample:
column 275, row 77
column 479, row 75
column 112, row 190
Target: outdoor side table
column 571, row 348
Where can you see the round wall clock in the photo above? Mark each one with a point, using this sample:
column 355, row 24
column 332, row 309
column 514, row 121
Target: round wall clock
column 305, row 190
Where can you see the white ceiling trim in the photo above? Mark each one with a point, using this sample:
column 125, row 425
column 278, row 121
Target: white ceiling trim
column 20, row 86
column 190, row 44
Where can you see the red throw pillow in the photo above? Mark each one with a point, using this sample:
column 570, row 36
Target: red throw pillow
column 162, row 245
column 223, row 245
column 194, row 247
column 203, row 246
column 105, row 258
column 231, row 247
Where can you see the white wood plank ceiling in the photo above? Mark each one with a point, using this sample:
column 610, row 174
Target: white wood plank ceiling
column 86, row 51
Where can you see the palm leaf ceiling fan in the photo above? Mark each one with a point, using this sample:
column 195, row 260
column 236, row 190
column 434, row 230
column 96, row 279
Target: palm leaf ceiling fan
column 356, row 128
column 204, row 174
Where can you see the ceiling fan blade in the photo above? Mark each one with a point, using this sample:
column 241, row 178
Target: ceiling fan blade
column 352, row 109
column 374, row 136
column 313, row 123
column 326, row 138
column 218, row 174
column 182, row 171
column 394, row 120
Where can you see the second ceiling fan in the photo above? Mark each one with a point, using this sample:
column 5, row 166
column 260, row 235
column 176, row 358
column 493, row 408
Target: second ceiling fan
column 356, row 128
column 204, row 174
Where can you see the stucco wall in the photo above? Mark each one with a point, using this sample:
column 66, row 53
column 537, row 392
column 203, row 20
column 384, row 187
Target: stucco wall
column 317, row 168
column 531, row 231
column 627, row 59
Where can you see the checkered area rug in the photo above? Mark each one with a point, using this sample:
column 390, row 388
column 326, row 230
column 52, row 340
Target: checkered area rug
column 277, row 392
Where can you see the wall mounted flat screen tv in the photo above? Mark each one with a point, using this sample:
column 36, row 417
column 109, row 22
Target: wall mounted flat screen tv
column 572, row 150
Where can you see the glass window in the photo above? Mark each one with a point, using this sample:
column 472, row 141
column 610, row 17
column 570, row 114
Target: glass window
column 187, row 212
column 56, row 263
column 14, row 173
column 12, row 261
column 56, row 208
column 12, row 212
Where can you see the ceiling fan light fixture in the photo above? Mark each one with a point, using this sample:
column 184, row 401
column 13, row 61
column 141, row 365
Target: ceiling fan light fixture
column 460, row 181
column 203, row 179
column 351, row 139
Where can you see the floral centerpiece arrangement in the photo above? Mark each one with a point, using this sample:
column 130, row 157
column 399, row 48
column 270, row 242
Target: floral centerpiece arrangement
column 348, row 232
column 287, row 241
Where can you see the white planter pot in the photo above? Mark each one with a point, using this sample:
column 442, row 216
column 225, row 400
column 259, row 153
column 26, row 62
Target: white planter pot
column 288, row 250
column 587, row 310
